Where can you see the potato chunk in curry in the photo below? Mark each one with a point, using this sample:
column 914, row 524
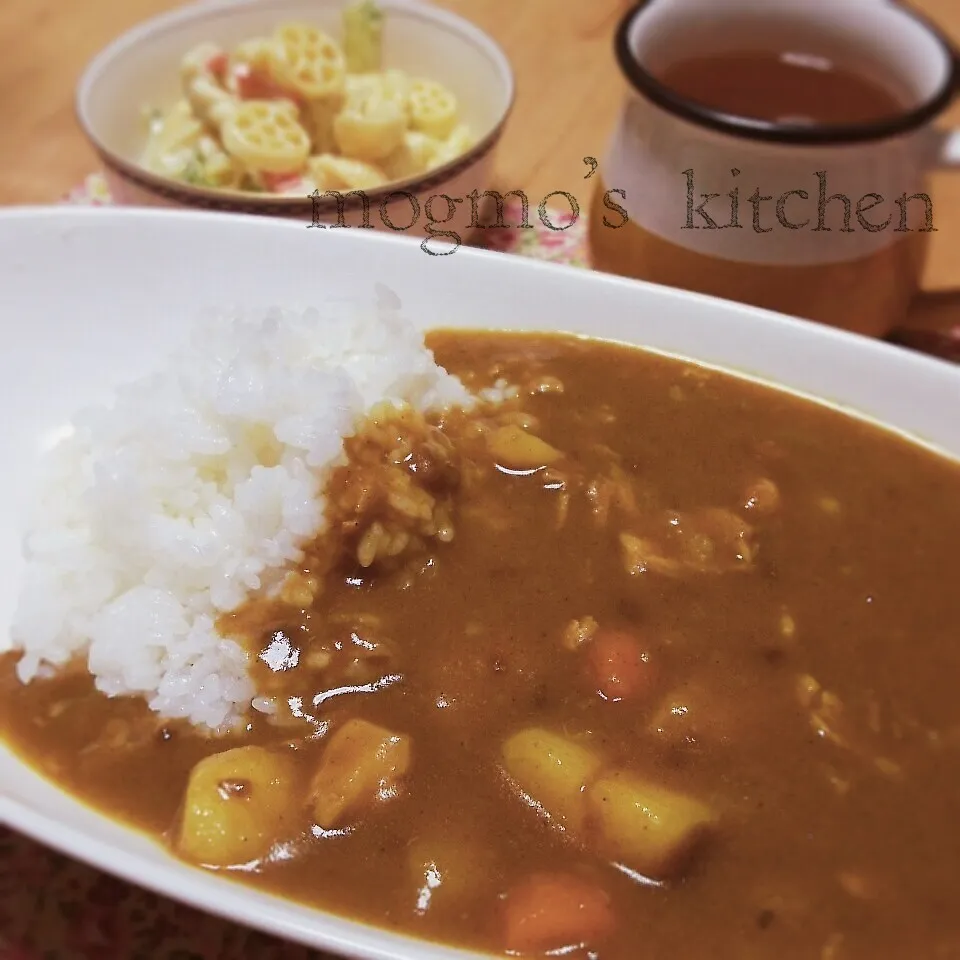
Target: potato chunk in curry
column 649, row 828
column 553, row 771
column 362, row 763
column 237, row 803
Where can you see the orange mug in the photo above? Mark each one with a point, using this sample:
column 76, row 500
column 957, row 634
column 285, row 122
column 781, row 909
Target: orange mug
column 828, row 221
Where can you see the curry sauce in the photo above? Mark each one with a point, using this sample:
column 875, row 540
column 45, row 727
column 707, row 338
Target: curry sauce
column 731, row 602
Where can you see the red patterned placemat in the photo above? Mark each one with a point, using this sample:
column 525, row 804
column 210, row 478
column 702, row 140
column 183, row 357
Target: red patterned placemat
column 565, row 242
column 54, row 908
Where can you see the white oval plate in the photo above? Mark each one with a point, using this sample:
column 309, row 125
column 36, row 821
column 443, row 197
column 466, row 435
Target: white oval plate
column 91, row 296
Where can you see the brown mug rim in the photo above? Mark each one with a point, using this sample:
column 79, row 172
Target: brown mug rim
column 646, row 84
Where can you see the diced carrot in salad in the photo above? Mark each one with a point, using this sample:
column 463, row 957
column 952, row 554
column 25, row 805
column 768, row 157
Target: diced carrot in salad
column 550, row 912
column 253, row 84
column 217, row 65
column 619, row 666
column 280, row 182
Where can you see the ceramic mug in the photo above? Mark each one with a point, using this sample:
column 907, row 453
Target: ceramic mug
column 829, row 223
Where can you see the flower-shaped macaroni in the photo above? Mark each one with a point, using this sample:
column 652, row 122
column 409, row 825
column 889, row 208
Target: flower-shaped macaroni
column 433, row 108
column 456, row 145
column 307, row 60
column 372, row 123
column 330, row 172
column 265, row 135
column 416, row 153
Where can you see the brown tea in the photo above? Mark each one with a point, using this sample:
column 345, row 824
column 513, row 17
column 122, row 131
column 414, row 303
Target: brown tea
column 867, row 295
column 780, row 88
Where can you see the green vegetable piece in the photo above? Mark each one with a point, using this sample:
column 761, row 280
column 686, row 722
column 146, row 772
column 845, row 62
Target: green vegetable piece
column 363, row 37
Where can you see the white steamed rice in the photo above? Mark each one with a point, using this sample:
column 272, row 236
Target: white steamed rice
column 196, row 488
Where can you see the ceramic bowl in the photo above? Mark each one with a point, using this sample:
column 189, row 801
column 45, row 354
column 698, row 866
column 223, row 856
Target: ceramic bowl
column 140, row 70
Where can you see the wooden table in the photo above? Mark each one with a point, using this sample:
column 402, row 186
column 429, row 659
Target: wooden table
column 569, row 93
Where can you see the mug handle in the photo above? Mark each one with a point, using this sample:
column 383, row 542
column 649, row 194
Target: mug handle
column 947, row 151
column 946, row 154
